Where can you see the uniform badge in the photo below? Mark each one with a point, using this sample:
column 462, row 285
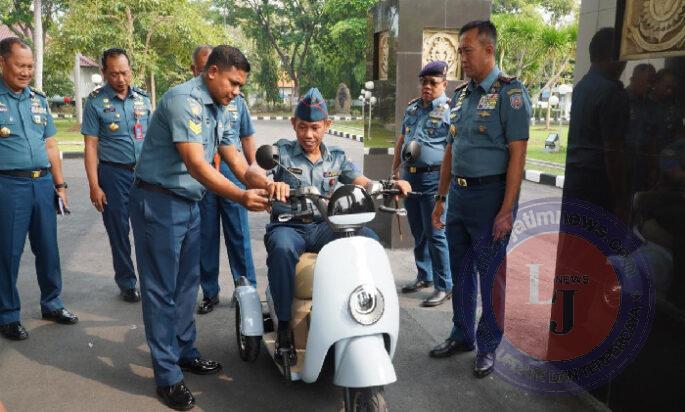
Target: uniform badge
column 516, row 101
column 113, row 127
column 3, row 108
column 195, row 127
column 484, row 114
column 195, row 107
column 488, row 102
column 295, row 170
column 37, row 119
column 5, row 131
column 482, row 129
column 453, row 130
column 105, row 100
column 110, row 109
column 233, row 106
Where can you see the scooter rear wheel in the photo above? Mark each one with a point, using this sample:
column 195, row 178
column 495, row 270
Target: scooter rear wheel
column 369, row 399
column 248, row 346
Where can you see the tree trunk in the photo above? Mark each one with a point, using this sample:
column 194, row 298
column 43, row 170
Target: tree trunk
column 77, row 88
column 38, row 44
column 153, row 91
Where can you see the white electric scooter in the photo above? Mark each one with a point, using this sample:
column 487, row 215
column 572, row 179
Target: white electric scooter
column 345, row 299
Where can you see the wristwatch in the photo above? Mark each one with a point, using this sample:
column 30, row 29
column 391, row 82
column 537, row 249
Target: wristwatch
column 440, row 198
column 62, row 185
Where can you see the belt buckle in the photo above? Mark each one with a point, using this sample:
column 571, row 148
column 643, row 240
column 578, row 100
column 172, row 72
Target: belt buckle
column 35, row 174
column 412, row 169
column 462, row 182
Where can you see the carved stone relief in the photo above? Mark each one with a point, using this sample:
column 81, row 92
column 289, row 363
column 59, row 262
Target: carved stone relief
column 653, row 28
column 442, row 45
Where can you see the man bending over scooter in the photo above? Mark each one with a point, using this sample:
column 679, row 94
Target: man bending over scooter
column 306, row 161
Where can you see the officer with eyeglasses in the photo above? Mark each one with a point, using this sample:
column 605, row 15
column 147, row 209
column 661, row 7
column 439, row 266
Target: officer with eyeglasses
column 426, row 121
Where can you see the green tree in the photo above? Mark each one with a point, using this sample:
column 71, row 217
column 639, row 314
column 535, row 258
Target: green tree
column 555, row 8
column 18, row 17
column 267, row 75
column 291, row 27
column 159, row 35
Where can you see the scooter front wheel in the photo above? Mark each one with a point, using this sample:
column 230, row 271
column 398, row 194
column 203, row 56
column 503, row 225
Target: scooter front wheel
column 370, row 399
column 248, row 346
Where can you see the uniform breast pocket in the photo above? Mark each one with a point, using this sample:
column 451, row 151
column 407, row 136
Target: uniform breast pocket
column 488, row 127
column 409, row 124
column 435, row 127
column 111, row 124
column 329, row 183
column 7, row 124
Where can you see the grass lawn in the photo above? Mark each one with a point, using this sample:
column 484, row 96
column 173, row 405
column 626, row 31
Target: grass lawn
column 68, row 131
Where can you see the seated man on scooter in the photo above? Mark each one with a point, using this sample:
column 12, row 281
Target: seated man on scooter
column 304, row 162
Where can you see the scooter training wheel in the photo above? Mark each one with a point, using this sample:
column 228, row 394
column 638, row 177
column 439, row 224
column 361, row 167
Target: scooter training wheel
column 248, row 346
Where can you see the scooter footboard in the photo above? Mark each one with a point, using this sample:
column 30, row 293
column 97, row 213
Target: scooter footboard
column 363, row 361
column 251, row 318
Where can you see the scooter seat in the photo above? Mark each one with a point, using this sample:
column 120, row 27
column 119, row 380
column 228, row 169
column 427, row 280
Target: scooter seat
column 304, row 276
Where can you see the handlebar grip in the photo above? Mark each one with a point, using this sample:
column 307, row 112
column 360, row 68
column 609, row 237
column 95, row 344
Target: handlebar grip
column 386, row 209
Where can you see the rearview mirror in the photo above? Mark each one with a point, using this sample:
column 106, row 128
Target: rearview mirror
column 265, row 157
column 411, row 152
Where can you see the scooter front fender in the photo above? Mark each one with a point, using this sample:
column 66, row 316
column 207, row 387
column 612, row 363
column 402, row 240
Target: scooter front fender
column 341, row 267
column 251, row 318
column 362, row 362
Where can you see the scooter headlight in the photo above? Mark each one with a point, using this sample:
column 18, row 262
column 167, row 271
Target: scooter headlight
column 367, row 304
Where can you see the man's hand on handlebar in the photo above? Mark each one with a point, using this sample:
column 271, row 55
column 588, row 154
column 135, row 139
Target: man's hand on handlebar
column 403, row 186
column 279, row 191
column 255, row 200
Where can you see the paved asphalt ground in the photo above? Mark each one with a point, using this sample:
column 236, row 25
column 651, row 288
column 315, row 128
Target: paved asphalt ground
column 103, row 363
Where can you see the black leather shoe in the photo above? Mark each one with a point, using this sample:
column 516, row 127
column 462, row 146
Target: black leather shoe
column 284, row 347
column 200, row 366
column 62, row 316
column 207, row 305
column 130, row 295
column 416, row 285
column 449, row 347
column 177, row 396
column 485, row 364
column 14, row 331
column 437, row 298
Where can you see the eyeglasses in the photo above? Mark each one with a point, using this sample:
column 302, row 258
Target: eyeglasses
column 430, row 82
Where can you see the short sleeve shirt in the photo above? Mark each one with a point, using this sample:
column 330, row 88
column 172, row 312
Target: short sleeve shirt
column 484, row 119
column 25, row 124
column 186, row 113
column 113, row 121
column 429, row 127
column 328, row 173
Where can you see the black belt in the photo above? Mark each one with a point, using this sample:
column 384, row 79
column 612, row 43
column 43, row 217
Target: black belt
column 124, row 166
column 423, row 169
column 475, row 181
column 33, row 174
column 159, row 189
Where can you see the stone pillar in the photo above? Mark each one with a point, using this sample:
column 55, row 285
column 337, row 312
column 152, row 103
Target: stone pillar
column 403, row 36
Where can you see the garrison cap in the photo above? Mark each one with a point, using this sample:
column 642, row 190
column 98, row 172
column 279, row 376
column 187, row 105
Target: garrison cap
column 434, row 68
column 312, row 107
